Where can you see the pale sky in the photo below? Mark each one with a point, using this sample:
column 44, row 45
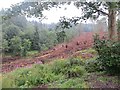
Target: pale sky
column 53, row 15
column 7, row 3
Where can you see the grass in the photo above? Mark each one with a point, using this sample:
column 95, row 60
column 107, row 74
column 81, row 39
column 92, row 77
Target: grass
column 0, row 81
column 88, row 54
column 89, row 50
column 32, row 53
column 28, row 77
column 29, row 54
column 69, row 83
column 106, row 79
column 58, row 71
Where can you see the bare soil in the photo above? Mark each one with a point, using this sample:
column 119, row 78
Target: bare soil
column 64, row 50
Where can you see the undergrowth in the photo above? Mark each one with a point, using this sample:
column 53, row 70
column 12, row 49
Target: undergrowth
column 60, row 73
column 68, row 70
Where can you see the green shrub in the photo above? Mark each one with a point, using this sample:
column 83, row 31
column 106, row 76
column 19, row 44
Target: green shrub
column 76, row 61
column 44, row 74
column 25, row 47
column 74, row 83
column 8, row 82
column 61, row 36
column 32, row 53
column 15, row 45
column 109, row 54
column 75, row 71
column 31, row 77
column 19, row 47
column 70, row 83
column 59, row 66
column 93, row 66
column 70, row 68
column 5, row 46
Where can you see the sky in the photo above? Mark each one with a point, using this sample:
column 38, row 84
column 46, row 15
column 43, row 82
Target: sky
column 53, row 15
column 8, row 3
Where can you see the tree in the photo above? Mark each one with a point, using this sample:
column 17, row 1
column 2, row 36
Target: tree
column 19, row 21
column 94, row 10
column 61, row 36
column 16, row 45
column 5, row 46
column 90, row 10
column 11, row 31
column 36, row 40
column 26, row 44
column 118, row 29
column 19, row 47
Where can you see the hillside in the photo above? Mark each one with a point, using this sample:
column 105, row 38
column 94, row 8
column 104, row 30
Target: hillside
column 64, row 50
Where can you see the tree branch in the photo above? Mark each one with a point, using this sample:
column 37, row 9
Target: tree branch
column 95, row 8
column 102, row 12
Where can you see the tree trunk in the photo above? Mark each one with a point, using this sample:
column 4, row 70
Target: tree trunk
column 118, row 29
column 118, row 35
column 112, row 25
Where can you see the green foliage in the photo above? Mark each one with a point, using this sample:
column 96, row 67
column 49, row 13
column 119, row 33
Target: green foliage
column 33, row 36
column 61, row 36
column 109, row 54
column 76, row 61
column 16, row 45
column 75, row 71
column 10, row 31
column 19, row 21
column 118, row 29
column 36, row 40
column 5, row 46
column 25, row 78
column 47, row 74
column 104, row 79
column 32, row 53
column 20, row 47
column 25, row 47
column 41, row 36
column 93, row 66
column 118, row 26
column 70, row 83
column 69, row 68
column 58, row 66
column 8, row 82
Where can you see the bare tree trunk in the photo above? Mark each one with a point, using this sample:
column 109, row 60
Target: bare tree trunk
column 118, row 35
column 112, row 25
column 118, row 29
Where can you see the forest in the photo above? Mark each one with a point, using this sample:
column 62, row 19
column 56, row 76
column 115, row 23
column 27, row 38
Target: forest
column 68, row 54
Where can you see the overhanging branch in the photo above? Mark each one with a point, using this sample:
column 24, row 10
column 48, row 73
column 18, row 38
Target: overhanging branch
column 102, row 12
